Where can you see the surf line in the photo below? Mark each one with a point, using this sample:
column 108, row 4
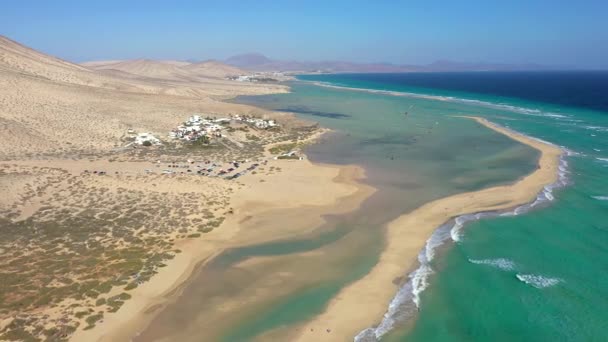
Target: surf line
column 495, row 105
column 360, row 304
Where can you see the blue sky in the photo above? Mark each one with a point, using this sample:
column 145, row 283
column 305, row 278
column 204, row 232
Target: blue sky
column 571, row 33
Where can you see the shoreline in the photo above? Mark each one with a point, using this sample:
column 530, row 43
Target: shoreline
column 309, row 202
column 407, row 235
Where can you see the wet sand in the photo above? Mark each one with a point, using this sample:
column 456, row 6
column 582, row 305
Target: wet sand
column 288, row 204
column 363, row 303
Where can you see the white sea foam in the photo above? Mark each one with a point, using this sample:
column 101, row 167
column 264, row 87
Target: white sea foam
column 459, row 222
column 546, row 195
column 538, row 281
column 420, row 281
column 439, row 237
column 455, row 232
column 602, row 159
column 501, row 263
column 403, row 304
column 400, row 308
column 601, row 198
column 596, row 128
column 395, row 312
column 407, row 299
column 502, row 106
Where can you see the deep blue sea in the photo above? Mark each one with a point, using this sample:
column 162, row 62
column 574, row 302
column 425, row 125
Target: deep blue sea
column 583, row 89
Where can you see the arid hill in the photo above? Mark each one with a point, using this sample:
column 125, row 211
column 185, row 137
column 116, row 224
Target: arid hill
column 169, row 70
column 146, row 68
column 213, row 69
column 88, row 215
column 16, row 58
column 52, row 106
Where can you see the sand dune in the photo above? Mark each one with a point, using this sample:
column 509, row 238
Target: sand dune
column 115, row 61
column 147, row 68
column 174, row 62
column 169, row 70
column 100, row 63
column 61, row 123
column 18, row 58
column 51, row 106
column 213, row 69
column 23, row 61
column 15, row 55
column 156, row 77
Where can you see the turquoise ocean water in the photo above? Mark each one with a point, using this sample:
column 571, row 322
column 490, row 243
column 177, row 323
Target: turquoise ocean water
column 537, row 272
column 535, row 276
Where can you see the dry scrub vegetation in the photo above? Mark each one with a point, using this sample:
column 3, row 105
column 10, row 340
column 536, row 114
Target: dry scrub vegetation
column 75, row 245
column 90, row 240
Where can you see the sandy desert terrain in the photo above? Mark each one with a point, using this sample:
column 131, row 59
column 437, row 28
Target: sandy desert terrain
column 88, row 218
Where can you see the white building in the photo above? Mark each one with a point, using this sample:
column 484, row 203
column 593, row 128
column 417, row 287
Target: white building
column 196, row 127
column 259, row 123
column 194, row 119
column 143, row 137
column 220, row 120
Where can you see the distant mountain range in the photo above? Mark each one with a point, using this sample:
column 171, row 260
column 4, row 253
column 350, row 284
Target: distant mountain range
column 259, row 62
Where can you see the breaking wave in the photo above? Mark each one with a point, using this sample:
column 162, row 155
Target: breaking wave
column 596, row 128
column 500, row 263
column 538, row 281
column 487, row 104
column 601, row 198
column 407, row 300
column 459, row 222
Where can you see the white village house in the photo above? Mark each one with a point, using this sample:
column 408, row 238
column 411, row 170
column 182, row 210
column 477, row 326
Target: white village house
column 196, row 127
column 258, row 123
column 141, row 138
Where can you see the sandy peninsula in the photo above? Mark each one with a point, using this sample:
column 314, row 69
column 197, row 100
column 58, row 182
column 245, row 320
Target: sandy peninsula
column 363, row 303
column 101, row 232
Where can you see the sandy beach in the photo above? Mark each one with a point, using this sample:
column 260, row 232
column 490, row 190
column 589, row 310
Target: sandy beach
column 280, row 171
column 68, row 163
column 120, row 229
column 315, row 190
column 363, row 303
